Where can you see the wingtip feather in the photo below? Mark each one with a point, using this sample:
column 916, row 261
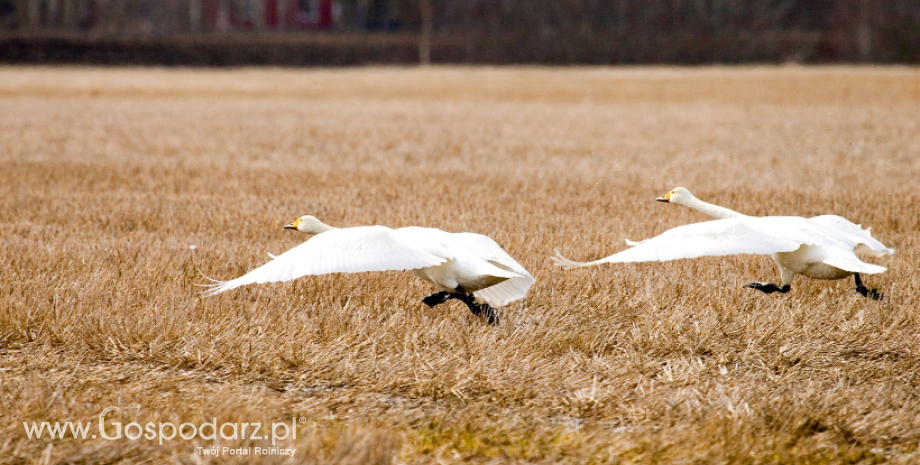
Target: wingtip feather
column 566, row 263
column 214, row 287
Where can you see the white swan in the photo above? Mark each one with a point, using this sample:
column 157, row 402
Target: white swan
column 822, row 247
column 464, row 265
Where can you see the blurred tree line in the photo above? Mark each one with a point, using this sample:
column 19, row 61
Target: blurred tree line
column 464, row 31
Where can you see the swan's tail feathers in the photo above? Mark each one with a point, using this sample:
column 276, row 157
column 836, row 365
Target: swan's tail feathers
column 568, row 264
column 634, row 243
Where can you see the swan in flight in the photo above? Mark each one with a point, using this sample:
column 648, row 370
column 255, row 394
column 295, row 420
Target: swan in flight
column 821, row 247
column 465, row 266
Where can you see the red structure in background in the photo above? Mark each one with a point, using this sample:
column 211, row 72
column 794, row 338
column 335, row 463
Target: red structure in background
column 218, row 15
column 325, row 15
column 225, row 15
column 272, row 18
column 210, row 11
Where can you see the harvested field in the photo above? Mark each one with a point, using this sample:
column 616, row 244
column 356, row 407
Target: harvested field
column 120, row 187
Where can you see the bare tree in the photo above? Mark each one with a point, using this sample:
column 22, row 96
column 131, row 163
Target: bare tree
column 864, row 35
column 426, row 10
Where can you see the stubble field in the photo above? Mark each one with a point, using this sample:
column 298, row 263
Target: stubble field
column 121, row 188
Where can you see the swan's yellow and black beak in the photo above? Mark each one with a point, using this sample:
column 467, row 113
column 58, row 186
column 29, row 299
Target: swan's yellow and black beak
column 665, row 198
column 293, row 225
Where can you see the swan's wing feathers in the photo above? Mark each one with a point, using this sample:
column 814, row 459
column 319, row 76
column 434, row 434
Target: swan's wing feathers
column 487, row 249
column 847, row 260
column 367, row 248
column 728, row 236
column 851, row 234
column 567, row 263
column 506, row 291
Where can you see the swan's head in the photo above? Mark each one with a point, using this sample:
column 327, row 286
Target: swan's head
column 308, row 224
column 678, row 195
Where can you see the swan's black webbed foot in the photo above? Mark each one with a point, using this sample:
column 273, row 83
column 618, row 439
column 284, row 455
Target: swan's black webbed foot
column 485, row 311
column 870, row 293
column 865, row 291
column 437, row 298
column 769, row 288
column 482, row 310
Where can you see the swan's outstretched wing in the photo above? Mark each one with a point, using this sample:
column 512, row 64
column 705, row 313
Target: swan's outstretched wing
column 366, row 248
column 729, row 236
column 487, row 249
column 852, row 234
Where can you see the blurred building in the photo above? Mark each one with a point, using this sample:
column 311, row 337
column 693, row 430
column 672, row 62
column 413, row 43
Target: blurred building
column 163, row 17
column 476, row 31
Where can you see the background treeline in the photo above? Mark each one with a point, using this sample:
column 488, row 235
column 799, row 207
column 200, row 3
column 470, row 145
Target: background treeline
column 340, row 32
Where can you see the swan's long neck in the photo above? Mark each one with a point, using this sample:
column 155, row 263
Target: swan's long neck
column 714, row 211
column 321, row 228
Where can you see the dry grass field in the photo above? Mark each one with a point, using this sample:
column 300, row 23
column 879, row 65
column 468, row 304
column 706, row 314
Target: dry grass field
column 120, row 188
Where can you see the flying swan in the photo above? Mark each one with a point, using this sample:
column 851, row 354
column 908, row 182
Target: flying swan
column 465, row 266
column 821, row 247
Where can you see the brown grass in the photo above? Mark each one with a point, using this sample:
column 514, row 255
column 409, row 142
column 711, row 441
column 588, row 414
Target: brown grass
column 108, row 177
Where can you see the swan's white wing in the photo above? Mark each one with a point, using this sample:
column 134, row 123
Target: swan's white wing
column 728, row 236
column 852, row 234
column 366, row 248
column 487, row 249
column 506, row 291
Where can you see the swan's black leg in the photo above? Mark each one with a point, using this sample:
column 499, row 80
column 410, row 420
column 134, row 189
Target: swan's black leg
column 769, row 288
column 864, row 291
column 485, row 310
column 437, row 298
column 480, row 310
